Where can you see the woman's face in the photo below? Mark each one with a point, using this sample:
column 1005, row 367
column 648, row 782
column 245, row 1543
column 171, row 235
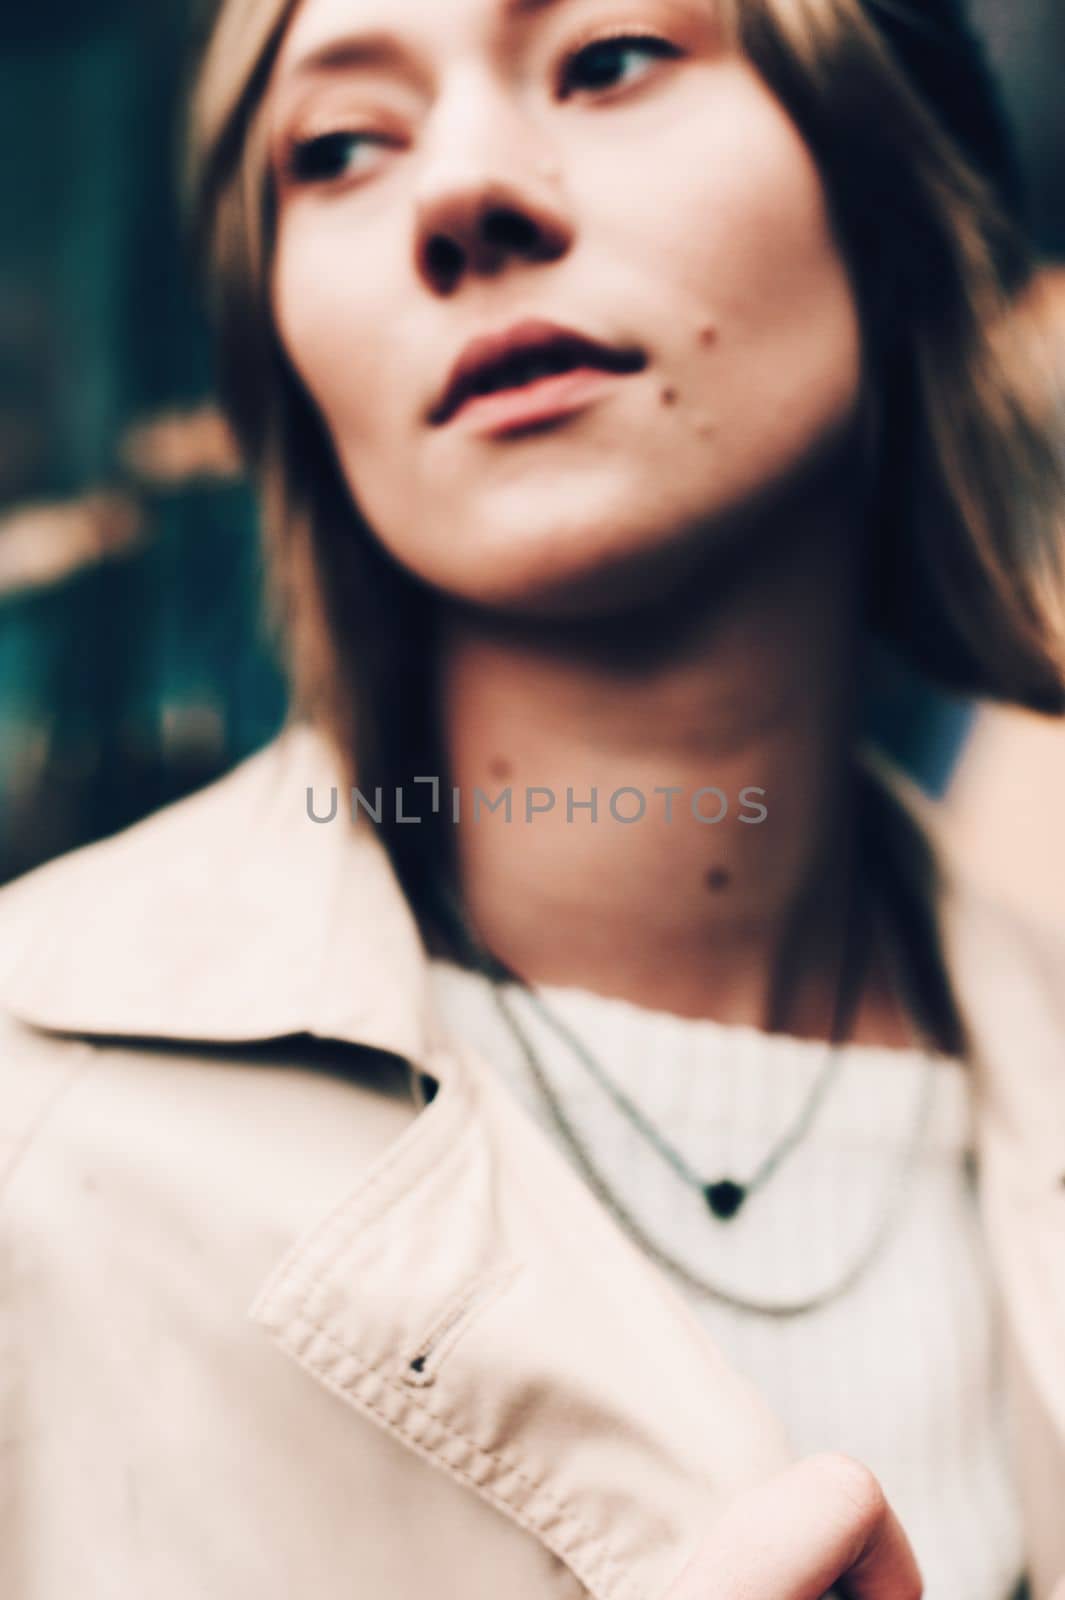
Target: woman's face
column 594, row 216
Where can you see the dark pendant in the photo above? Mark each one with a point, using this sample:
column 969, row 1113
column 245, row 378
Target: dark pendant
column 724, row 1198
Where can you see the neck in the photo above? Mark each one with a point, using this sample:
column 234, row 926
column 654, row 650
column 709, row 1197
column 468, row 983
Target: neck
column 750, row 694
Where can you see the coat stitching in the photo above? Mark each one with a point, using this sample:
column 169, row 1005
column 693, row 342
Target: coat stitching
column 354, row 1211
column 420, row 1135
column 594, row 1545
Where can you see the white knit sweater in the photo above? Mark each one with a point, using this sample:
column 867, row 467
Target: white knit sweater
column 904, row 1370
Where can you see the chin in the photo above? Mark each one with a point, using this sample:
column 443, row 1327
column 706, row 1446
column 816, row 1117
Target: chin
column 596, row 568
column 557, row 562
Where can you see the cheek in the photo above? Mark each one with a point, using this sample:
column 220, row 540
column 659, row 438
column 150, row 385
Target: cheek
column 763, row 268
column 330, row 328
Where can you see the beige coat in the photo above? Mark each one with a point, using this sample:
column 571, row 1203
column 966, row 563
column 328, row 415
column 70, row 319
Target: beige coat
column 270, row 1329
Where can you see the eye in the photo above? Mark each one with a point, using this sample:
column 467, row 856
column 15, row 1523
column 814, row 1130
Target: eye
column 614, row 62
column 329, row 156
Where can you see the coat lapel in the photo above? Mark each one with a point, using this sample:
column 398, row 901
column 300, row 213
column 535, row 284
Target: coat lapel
column 471, row 1297
column 1013, row 988
column 1008, row 977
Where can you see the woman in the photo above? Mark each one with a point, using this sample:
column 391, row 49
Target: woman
column 612, row 370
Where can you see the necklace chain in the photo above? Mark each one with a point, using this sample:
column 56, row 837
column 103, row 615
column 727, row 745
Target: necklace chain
column 501, row 979
column 871, row 1248
column 725, row 1196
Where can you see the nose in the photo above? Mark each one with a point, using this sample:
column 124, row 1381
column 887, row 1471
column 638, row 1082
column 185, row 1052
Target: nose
column 490, row 198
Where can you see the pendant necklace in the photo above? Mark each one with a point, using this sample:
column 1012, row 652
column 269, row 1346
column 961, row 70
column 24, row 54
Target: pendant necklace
column 726, row 1194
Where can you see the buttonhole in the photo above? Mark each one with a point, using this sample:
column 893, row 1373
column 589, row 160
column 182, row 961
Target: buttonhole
column 422, row 1362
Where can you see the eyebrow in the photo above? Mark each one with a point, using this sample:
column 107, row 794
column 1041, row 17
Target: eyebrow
column 526, row 8
column 338, row 55
column 384, row 50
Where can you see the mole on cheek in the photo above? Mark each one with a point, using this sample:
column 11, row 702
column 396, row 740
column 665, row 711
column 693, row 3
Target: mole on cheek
column 718, row 878
column 707, row 333
column 669, row 397
column 500, row 767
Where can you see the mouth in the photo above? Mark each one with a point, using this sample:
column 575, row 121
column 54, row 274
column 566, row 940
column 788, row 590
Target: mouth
column 528, row 374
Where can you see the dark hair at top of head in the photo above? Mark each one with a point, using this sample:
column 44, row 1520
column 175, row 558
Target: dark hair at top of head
column 946, row 61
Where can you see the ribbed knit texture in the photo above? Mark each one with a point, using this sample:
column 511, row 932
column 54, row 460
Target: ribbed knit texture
column 904, row 1371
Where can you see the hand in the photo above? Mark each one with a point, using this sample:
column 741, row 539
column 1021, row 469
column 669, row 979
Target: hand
column 824, row 1521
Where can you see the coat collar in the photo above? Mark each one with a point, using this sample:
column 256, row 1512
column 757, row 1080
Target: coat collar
column 228, row 916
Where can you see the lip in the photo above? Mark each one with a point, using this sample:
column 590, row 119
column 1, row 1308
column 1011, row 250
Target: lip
column 535, row 405
column 595, row 365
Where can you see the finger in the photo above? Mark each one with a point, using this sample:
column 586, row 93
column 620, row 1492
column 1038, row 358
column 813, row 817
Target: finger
column 824, row 1522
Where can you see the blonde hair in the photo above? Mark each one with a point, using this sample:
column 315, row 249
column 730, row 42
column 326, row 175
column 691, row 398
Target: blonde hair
column 967, row 579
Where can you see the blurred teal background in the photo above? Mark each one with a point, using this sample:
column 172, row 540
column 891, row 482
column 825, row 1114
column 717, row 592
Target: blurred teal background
column 133, row 662
column 133, row 666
